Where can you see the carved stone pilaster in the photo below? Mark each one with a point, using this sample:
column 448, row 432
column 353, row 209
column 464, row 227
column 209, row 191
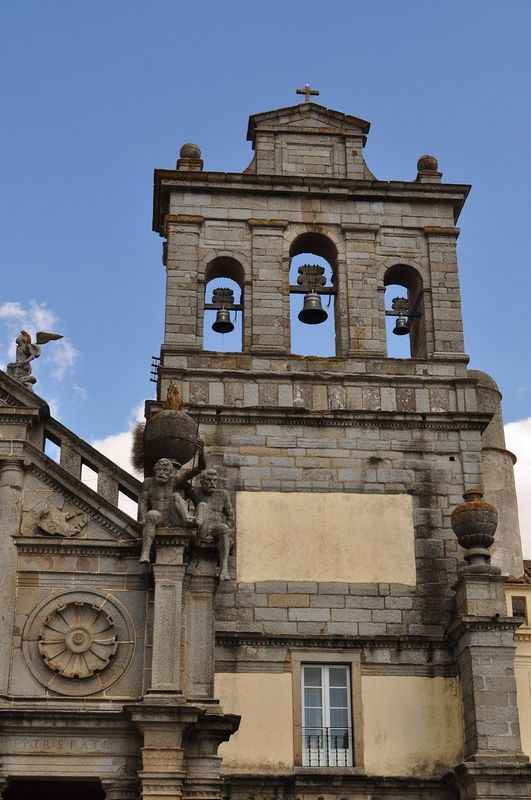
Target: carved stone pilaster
column 163, row 769
column 201, row 587
column 482, row 637
column 11, row 490
column 202, row 762
column 168, row 573
column 121, row 790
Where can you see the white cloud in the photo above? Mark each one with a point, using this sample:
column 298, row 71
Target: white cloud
column 60, row 355
column 53, row 402
column 118, row 446
column 81, row 392
column 518, row 437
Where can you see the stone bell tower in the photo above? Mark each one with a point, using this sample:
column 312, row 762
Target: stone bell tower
column 343, row 470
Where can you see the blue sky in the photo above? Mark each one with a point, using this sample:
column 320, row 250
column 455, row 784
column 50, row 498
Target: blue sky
column 95, row 95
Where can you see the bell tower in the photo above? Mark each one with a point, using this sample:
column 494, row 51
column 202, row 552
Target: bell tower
column 344, row 469
column 308, row 188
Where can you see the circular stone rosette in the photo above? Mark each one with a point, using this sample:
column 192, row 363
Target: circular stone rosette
column 78, row 643
column 78, row 640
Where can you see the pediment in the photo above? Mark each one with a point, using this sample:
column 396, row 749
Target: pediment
column 307, row 117
column 60, row 512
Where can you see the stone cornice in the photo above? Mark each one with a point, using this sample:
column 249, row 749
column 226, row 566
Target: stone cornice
column 341, row 419
column 14, row 415
column 166, row 181
column 21, row 713
column 436, row 230
column 58, row 545
column 331, row 642
column 347, row 370
column 470, row 624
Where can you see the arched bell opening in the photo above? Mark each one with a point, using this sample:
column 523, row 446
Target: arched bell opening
column 223, row 306
column 312, row 279
column 404, row 312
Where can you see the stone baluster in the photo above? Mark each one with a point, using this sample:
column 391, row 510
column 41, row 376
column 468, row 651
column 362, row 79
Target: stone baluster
column 70, row 459
column 108, row 486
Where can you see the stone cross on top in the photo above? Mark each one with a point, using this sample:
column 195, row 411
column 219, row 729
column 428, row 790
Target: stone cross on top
column 307, row 92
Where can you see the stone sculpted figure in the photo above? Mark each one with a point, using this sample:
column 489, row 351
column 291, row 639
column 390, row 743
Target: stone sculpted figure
column 215, row 517
column 26, row 352
column 162, row 502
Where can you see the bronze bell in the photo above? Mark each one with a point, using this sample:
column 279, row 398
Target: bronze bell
column 312, row 311
column 222, row 323
column 402, row 326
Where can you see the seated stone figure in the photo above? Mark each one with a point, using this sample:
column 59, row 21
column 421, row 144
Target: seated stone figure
column 162, row 502
column 215, row 517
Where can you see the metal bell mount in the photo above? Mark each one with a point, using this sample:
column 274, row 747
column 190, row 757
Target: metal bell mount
column 401, row 306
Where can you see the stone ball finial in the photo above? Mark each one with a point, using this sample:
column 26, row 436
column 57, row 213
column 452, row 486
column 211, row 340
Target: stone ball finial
column 190, row 150
column 427, row 163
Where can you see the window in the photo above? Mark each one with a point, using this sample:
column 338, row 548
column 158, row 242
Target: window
column 519, row 607
column 52, row 447
column 313, row 272
column 403, row 283
column 223, row 306
column 326, row 716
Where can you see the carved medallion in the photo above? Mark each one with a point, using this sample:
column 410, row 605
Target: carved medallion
column 78, row 640
column 78, row 643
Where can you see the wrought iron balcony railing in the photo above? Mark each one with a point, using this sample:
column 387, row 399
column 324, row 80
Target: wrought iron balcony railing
column 327, row 747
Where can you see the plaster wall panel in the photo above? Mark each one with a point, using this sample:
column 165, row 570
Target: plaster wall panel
column 429, row 709
column 264, row 741
column 325, row 537
column 522, row 662
column 522, row 670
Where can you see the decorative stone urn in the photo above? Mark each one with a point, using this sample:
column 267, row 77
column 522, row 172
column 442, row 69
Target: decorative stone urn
column 474, row 523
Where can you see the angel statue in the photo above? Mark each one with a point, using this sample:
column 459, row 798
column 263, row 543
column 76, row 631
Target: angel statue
column 26, row 352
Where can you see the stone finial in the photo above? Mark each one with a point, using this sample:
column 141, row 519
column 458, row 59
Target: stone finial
column 428, row 170
column 474, row 523
column 190, row 158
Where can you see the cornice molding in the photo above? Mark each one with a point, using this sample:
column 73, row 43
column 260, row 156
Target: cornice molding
column 60, row 546
column 347, row 420
column 330, row 642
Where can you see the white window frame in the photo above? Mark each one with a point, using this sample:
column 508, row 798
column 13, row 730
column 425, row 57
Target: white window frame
column 318, row 749
column 344, row 657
